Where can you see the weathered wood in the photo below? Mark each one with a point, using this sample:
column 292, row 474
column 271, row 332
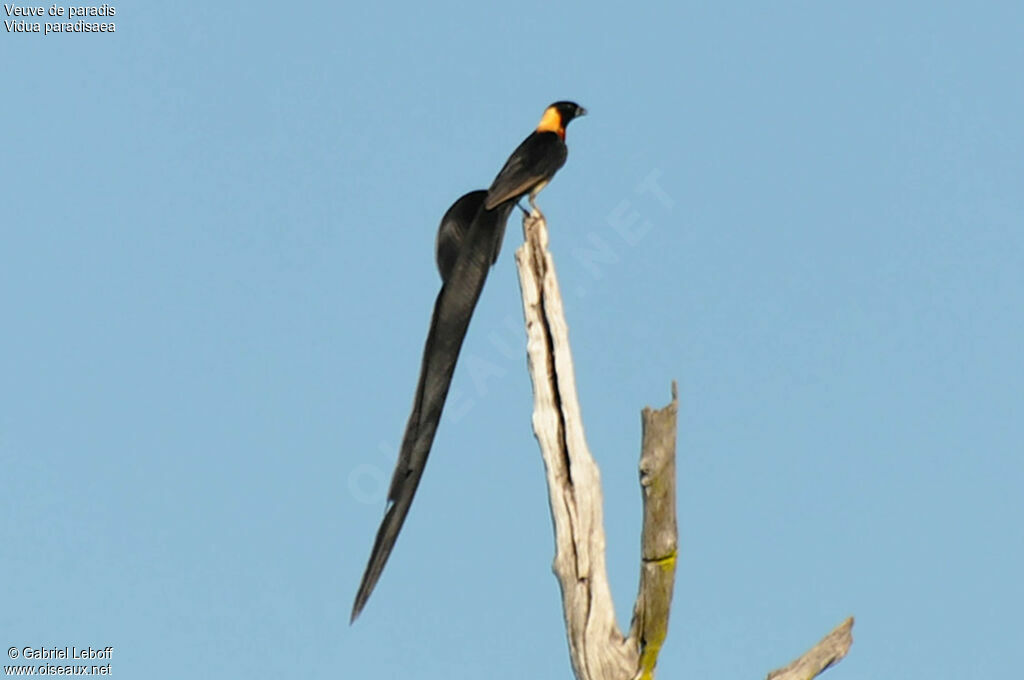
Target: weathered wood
column 597, row 649
column 660, row 540
column 828, row 652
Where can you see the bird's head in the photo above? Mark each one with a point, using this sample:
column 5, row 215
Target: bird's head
column 558, row 115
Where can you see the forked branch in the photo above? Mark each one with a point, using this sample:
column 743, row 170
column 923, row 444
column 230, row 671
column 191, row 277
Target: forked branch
column 597, row 648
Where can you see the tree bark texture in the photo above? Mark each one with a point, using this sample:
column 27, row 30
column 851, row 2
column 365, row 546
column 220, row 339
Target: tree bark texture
column 598, row 650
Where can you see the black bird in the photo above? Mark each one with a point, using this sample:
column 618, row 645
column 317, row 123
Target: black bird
column 534, row 162
column 468, row 242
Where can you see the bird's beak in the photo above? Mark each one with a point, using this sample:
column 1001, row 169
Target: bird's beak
column 580, row 111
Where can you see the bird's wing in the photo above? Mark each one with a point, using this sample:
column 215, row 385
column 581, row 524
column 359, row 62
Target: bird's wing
column 534, row 161
column 452, row 312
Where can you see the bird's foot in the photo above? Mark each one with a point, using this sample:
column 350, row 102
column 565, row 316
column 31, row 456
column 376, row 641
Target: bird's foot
column 536, row 213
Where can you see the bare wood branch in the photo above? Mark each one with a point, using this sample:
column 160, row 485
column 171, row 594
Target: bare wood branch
column 597, row 649
column 660, row 541
column 828, row 652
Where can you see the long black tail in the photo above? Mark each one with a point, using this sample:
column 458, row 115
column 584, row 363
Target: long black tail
column 464, row 280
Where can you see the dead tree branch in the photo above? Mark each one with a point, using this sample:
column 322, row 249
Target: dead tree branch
column 660, row 539
column 828, row 652
column 597, row 648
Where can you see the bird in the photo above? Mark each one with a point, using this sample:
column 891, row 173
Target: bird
column 467, row 244
column 534, row 162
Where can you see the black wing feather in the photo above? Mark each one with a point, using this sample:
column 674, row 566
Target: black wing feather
column 534, row 161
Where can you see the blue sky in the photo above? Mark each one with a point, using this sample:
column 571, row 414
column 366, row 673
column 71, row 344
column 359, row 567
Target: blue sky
column 216, row 276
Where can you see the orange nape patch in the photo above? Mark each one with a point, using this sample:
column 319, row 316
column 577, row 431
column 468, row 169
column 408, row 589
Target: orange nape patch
column 551, row 121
